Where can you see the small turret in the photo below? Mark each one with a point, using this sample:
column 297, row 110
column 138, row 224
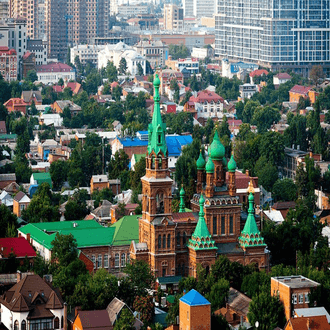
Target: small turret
column 182, row 206
column 200, row 163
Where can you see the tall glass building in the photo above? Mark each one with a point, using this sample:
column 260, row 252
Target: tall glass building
column 278, row 34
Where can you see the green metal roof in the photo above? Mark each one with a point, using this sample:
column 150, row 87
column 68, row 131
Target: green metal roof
column 157, row 129
column 43, row 177
column 250, row 235
column 169, row 279
column 86, row 232
column 126, row 230
column 137, row 157
column 8, row 136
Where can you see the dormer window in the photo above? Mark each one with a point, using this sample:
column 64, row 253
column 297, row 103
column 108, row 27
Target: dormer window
column 159, row 138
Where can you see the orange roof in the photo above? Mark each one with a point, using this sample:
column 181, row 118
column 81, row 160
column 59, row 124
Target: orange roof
column 257, row 73
column 308, row 323
column 15, row 100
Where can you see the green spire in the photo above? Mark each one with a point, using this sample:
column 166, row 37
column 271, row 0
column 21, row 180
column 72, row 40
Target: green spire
column 232, row 164
column 217, row 150
column 182, row 206
column 201, row 238
column 250, row 235
column 157, row 129
column 200, row 161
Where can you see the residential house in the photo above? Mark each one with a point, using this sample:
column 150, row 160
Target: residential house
column 166, row 76
column 87, row 320
column 33, row 303
column 116, row 212
column 117, row 126
column 257, row 73
column 19, row 246
column 190, row 64
column 39, row 178
column 16, row 104
column 6, row 199
column 283, row 207
column 208, row 104
column 234, row 126
column 247, row 90
column 74, row 86
column 293, row 292
column 308, row 323
column 102, row 214
column 47, row 147
column 59, row 107
column 20, row 203
column 99, row 182
column 281, row 78
column 237, row 308
column 297, row 91
column 312, row 311
column 6, row 179
column 50, row 119
column 53, row 72
column 194, row 311
column 28, row 63
column 29, row 96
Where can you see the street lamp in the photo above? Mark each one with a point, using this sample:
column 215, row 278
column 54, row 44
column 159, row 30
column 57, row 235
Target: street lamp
column 256, row 324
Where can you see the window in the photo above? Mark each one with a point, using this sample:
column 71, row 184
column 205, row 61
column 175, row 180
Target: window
column 184, row 239
column 169, row 241
column 294, row 299
column 301, row 298
column 231, row 225
column 123, row 260
column 93, row 260
column 187, row 315
column 16, row 327
column 159, row 241
column 117, row 260
column 164, row 241
column 306, row 298
column 23, row 325
column 215, row 229
column 223, row 226
column 106, row 261
column 178, row 239
column 99, row 261
column 62, row 321
column 56, row 323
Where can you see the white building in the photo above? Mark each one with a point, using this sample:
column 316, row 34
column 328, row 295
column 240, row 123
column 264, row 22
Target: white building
column 52, row 72
column 155, row 51
column 129, row 10
column 247, row 90
column 39, row 48
column 190, row 64
column 114, row 53
column 208, row 104
column 86, row 53
column 281, row 78
column 231, row 69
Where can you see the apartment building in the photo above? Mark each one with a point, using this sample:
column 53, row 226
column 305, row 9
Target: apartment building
column 173, row 17
column 86, row 53
column 8, row 63
column 39, row 48
column 4, row 9
column 275, row 34
column 156, row 52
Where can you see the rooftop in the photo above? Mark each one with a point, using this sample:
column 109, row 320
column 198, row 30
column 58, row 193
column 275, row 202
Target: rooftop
column 194, row 298
column 296, row 281
column 18, row 245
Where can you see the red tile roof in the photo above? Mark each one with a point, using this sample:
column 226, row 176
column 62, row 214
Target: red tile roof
column 54, row 67
column 18, row 245
column 283, row 75
column 213, row 67
column 15, row 100
column 284, row 205
column 26, row 55
column 184, row 216
column 6, row 50
column 303, row 90
column 243, row 180
column 234, row 122
column 309, row 323
column 257, row 73
column 206, row 96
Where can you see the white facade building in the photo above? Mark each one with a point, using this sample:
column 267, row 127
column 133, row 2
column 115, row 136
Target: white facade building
column 51, row 73
column 86, row 53
column 247, row 90
column 114, row 53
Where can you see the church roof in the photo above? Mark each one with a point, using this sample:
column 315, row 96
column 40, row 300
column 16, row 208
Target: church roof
column 194, row 298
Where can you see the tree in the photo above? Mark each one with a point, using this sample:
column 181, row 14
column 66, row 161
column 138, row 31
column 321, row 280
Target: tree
column 122, row 66
column 111, row 71
column 267, row 173
column 118, row 164
column 6, row 218
column 264, row 117
column 125, row 321
column 173, row 311
column 64, row 249
column 255, row 283
column 59, row 173
column 249, row 109
column 284, row 190
column 219, row 322
column 145, row 307
column 140, row 276
column 267, row 310
column 31, row 76
column 218, row 294
column 178, row 51
column 316, row 73
column 139, row 69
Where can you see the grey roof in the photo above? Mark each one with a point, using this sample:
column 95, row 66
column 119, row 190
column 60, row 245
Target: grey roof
column 8, row 177
column 296, row 281
column 238, row 301
column 28, row 95
column 114, row 308
column 159, row 220
column 67, row 103
column 103, row 210
column 313, row 311
column 227, row 248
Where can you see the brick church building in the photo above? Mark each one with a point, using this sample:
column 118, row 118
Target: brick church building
column 174, row 243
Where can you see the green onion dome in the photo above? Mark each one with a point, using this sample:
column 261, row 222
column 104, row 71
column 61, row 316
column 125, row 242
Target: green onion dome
column 232, row 164
column 200, row 162
column 209, row 166
column 217, row 150
column 182, row 192
column 156, row 81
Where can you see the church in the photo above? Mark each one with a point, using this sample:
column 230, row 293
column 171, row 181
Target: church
column 175, row 243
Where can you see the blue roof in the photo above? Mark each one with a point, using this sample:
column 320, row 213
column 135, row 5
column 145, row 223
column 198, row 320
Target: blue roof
column 176, row 142
column 133, row 142
column 235, row 67
column 143, row 132
column 194, row 298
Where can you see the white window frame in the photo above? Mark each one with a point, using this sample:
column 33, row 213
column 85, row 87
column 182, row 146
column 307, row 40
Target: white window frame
column 106, row 261
column 294, row 299
column 307, row 298
column 99, row 261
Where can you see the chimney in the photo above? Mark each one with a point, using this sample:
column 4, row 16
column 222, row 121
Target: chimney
column 65, row 317
column 19, row 276
column 310, row 154
column 28, row 238
column 76, row 310
column 247, row 172
column 308, row 324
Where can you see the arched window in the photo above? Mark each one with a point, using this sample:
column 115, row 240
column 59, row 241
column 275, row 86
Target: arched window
column 62, row 322
column 123, row 260
column 169, row 241
column 178, row 243
column 184, row 238
column 160, row 203
column 56, row 323
column 16, row 326
column 117, row 260
column 164, row 241
column 23, row 325
column 159, row 241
